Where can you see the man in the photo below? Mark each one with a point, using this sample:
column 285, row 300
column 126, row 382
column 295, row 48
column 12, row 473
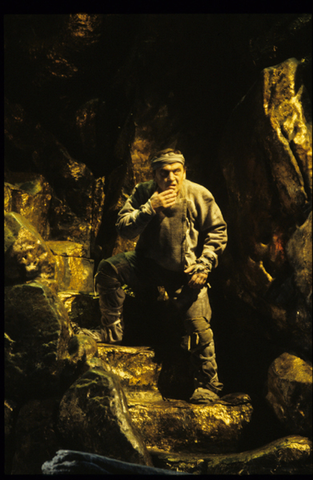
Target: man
column 182, row 234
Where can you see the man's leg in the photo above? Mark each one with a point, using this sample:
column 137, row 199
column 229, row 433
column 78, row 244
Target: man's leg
column 125, row 268
column 112, row 274
column 199, row 341
column 203, row 360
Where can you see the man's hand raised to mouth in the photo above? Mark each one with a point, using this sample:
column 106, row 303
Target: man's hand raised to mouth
column 164, row 199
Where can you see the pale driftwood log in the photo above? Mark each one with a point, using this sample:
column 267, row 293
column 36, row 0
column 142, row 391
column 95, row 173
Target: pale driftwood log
column 70, row 462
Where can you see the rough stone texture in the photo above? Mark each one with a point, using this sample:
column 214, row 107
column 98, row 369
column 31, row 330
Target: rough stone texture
column 173, row 424
column 67, row 249
column 290, row 393
column 36, row 337
column 155, row 89
column 77, row 216
column 299, row 253
column 76, row 198
column 267, row 163
column 75, row 273
column 83, row 309
column 8, row 417
column 83, row 356
column 26, row 254
column 29, row 194
column 179, row 426
column 82, row 348
column 94, row 418
column 165, row 366
column 289, row 455
column 36, row 437
column 136, row 367
column 10, row 408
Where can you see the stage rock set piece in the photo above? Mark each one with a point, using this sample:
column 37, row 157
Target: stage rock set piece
column 80, row 123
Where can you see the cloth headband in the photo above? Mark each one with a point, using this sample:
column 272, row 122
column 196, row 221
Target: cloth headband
column 158, row 162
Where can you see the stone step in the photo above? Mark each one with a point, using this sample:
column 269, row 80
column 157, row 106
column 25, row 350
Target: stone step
column 136, row 367
column 170, row 424
column 178, row 426
column 66, row 248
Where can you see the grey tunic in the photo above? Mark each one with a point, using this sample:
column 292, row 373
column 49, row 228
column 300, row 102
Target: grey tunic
column 192, row 231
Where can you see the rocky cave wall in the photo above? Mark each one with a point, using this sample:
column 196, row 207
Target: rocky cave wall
column 87, row 99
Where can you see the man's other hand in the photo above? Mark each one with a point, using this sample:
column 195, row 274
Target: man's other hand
column 197, row 280
column 162, row 200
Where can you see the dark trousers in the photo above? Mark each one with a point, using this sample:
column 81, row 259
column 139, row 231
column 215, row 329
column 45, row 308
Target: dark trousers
column 143, row 275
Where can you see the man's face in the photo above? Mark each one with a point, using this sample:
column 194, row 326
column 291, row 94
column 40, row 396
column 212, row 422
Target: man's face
column 170, row 176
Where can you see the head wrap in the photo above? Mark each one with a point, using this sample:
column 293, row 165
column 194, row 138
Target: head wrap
column 166, row 158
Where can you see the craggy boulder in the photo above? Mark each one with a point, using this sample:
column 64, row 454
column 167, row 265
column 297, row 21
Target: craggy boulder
column 29, row 194
column 36, row 438
column 74, row 271
column 82, row 348
column 174, row 424
column 299, row 254
column 135, row 366
column 9, row 433
column 37, row 333
column 82, row 308
column 26, row 254
column 76, row 197
column 290, row 393
column 94, row 417
column 266, row 156
column 287, row 455
column 177, row 426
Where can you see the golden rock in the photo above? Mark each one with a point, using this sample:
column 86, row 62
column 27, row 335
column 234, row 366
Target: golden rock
column 174, row 425
column 82, row 308
column 135, row 366
column 73, row 272
column 30, row 196
column 67, row 249
column 178, row 426
column 38, row 332
column 26, row 254
column 290, row 393
column 266, row 156
column 287, row 455
column 299, row 252
column 93, row 416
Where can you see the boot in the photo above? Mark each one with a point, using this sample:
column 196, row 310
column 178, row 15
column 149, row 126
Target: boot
column 112, row 325
column 111, row 302
column 203, row 395
column 96, row 334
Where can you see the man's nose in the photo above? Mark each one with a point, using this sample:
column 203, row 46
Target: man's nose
column 171, row 176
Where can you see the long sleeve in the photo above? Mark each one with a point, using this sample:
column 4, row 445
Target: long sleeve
column 206, row 217
column 137, row 212
column 191, row 232
column 215, row 235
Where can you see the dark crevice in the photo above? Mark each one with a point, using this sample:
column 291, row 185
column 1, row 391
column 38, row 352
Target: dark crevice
column 304, row 172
